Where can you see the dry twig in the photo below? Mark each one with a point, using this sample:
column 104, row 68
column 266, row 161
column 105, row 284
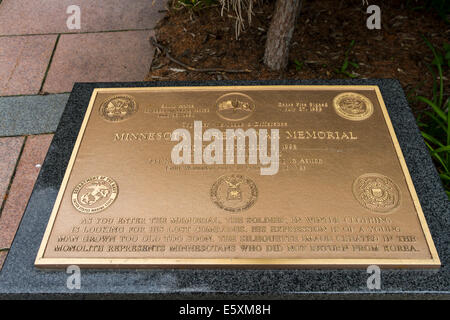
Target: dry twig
column 187, row 67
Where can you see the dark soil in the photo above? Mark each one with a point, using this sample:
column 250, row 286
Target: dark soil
column 324, row 32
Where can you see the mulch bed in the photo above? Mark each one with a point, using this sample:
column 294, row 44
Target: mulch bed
column 324, row 31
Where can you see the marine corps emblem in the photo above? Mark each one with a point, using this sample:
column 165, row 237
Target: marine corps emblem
column 353, row 106
column 118, row 108
column 234, row 193
column 235, row 106
column 94, row 194
column 376, row 192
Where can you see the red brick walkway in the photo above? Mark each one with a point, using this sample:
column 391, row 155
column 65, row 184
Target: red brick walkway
column 33, row 150
column 39, row 54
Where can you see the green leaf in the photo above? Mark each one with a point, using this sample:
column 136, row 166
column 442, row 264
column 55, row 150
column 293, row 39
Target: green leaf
column 448, row 121
column 436, row 156
column 298, row 65
column 344, row 65
column 432, row 140
column 442, row 149
column 434, row 106
column 438, row 60
column 436, row 121
column 439, row 67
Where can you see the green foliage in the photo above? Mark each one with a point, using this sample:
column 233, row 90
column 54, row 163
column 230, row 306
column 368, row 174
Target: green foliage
column 298, row 65
column 434, row 122
column 442, row 57
column 344, row 69
column 441, row 7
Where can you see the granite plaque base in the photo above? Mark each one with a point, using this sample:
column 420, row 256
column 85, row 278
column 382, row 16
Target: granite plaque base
column 19, row 278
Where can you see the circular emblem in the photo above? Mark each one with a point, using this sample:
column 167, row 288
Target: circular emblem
column 376, row 192
column 118, row 108
column 235, row 106
column 94, row 194
column 353, row 106
column 234, row 193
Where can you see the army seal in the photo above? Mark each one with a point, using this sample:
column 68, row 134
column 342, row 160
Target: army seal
column 118, row 108
column 235, row 106
column 234, row 193
column 353, row 106
column 376, row 193
column 94, row 194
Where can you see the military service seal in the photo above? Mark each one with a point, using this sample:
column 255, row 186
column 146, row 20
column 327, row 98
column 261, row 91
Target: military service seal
column 376, row 193
column 234, row 193
column 235, row 106
column 118, row 108
column 94, row 194
column 353, row 106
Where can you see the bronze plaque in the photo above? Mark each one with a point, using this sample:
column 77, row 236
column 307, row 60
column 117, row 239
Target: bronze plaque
column 255, row 176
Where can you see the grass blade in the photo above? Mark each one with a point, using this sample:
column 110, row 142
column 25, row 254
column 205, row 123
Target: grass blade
column 435, row 108
column 432, row 139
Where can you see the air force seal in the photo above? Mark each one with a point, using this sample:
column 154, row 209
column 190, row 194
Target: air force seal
column 234, row 193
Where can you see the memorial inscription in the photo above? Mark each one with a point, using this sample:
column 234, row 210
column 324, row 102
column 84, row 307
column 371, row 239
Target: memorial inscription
column 310, row 176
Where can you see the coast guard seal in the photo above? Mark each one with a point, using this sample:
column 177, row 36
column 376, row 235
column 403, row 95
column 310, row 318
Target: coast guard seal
column 376, row 193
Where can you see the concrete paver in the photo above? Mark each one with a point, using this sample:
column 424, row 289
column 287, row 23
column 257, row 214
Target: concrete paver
column 23, row 62
column 9, row 152
column 99, row 57
column 18, row 17
column 24, row 115
column 26, row 174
